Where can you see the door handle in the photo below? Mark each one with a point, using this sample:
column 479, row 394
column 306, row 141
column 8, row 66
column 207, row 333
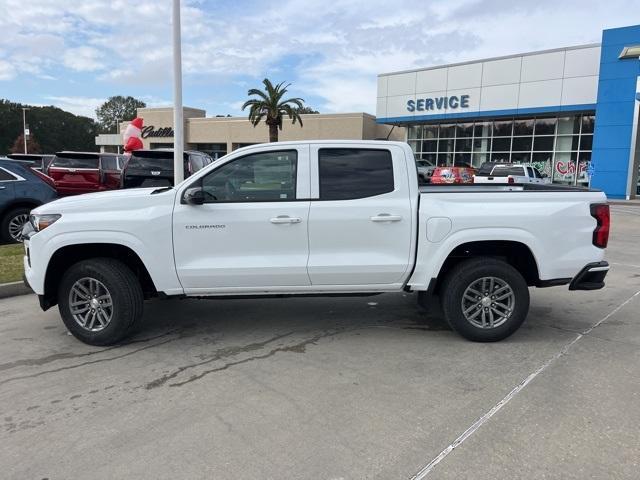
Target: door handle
column 386, row 217
column 285, row 219
column 2, row 188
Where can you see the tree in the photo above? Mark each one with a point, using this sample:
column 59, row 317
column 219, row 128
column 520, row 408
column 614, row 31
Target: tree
column 116, row 110
column 306, row 110
column 32, row 145
column 270, row 107
column 54, row 128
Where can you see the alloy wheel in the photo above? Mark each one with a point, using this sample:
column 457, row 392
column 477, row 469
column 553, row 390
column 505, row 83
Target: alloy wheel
column 488, row 302
column 91, row 304
column 16, row 224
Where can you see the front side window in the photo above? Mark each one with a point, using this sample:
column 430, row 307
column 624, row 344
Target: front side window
column 350, row 173
column 258, row 177
column 75, row 162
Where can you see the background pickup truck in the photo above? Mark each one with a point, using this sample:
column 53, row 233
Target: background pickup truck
column 315, row 218
column 509, row 173
column 84, row 172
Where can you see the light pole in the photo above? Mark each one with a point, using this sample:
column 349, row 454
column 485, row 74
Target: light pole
column 24, row 127
column 178, row 125
column 118, row 133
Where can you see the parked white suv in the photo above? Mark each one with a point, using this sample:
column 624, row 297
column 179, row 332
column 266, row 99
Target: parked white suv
column 510, row 173
column 314, row 218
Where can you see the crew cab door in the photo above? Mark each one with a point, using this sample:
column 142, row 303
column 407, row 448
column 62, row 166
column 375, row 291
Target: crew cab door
column 251, row 230
column 75, row 173
column 360, row 221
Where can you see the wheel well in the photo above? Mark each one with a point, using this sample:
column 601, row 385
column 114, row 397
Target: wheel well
column 67, row 256
column 19, row 204
column 516, row 254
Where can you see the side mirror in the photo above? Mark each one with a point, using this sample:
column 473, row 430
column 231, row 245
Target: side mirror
column 194, row 196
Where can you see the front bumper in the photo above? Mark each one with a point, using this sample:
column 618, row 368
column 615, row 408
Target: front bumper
column 591, row 277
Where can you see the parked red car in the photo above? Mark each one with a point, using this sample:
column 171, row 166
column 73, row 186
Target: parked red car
column 453, row 175
column 84, row 172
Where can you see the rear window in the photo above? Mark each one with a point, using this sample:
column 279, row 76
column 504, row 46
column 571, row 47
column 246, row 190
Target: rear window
column 75, row 162
column 506, row 171
column 151, row 163
column 350, row 173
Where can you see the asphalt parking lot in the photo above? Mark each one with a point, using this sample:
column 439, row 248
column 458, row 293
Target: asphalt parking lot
column 331, row 388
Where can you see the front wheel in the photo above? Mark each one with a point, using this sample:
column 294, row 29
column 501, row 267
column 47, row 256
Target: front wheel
column 100, row 301
column 484, row 299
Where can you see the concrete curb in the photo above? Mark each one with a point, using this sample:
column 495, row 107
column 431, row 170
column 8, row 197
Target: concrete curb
column 13, row 289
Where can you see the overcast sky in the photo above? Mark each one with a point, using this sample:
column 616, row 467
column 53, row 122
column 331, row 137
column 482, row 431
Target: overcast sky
column 76, row 54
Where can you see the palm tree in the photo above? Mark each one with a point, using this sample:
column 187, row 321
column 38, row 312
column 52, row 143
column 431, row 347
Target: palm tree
column 270, row 107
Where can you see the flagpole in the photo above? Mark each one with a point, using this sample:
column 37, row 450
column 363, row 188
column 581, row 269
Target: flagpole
column 178, row 124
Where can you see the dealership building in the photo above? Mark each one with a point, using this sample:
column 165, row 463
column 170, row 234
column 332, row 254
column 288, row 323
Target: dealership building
column 572, row 112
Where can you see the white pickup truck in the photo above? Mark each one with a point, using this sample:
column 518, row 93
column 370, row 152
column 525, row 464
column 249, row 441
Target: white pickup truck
column 314, row 218
column 510, row 174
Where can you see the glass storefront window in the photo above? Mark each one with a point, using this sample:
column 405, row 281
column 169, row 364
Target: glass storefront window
column 557, row 146
column 545, row 126
column 482, row 129
column 414, row 132
column 430, row 131
column 447, row 130
column 502, row 144
column 567, row 142
column 464, row 130
column 588, row 122
column 586, row 142
column 429, row 146
column 543, row 144
column 523, row 127
column 522, row 144
column 568, row 125
column 463, row 144
column 502, row 128
column 564, row 167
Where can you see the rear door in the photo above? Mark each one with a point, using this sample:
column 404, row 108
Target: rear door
column 75, row 173
column 7, row 180
column 360, row 220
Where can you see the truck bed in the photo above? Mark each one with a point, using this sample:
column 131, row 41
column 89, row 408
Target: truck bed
column 485, row 187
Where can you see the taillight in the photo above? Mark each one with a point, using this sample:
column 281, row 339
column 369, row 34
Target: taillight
column 511, row 180
column 600, row 211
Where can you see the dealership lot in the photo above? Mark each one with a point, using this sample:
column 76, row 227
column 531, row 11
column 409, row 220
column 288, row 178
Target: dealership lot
column 331, row 388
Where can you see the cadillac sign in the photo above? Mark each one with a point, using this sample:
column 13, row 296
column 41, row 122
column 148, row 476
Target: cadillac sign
column 151, row 132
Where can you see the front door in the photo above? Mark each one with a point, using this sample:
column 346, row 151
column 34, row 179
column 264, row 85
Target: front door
column 360, row 226
column 251, row 232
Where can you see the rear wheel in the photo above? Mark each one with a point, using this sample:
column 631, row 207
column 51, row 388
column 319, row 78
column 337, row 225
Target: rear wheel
column 484, row 299
column 12, row 223
column 100, row 301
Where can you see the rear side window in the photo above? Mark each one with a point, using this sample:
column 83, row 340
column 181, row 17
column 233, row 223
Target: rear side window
column 350, row 173
column 6, row 176
column 110, row 163
column 75, row 162
column 531, row 172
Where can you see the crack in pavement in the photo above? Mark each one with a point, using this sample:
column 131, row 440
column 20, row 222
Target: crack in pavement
column 92, row 362
column 222, row 353
column 298, row 348
column 64, row 356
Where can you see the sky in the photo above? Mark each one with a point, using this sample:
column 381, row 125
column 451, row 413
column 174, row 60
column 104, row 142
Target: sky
column 75, row 54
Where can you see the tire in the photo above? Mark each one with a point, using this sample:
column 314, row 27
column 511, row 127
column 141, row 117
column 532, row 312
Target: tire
column 9, row 223
column 100, row 280
column 496, row 318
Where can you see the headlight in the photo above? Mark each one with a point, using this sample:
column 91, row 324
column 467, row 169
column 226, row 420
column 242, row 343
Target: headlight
column 40, row 222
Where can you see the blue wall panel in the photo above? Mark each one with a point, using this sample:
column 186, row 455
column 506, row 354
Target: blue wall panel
column 614, row 112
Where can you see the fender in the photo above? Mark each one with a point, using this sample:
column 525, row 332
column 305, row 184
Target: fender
column 431, row 256
column 162, row 271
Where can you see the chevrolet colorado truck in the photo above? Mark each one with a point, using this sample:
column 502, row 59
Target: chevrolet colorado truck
column 314, row 218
